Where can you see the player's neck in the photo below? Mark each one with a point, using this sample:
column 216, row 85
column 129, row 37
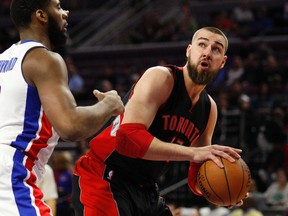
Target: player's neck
column 42, row 38
column 192, row 88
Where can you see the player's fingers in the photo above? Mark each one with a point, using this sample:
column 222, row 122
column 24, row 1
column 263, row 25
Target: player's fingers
column 240, row 203
column 228, row 152
column 96, row 92
column 216, row 160
column 227, row 148
column 99, row 95
column 223, row 154
column 237, row 150
column 234, row 152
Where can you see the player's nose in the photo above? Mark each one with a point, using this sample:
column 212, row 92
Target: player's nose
column 207, row 51
column 65, row 14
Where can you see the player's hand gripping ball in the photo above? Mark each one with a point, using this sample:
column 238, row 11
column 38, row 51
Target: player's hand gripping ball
column 224, row 186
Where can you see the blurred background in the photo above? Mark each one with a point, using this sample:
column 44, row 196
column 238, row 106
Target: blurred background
column 111, row 43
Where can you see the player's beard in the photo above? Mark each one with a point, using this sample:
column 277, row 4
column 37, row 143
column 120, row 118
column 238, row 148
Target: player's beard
column 57, row 36
column 202, row 77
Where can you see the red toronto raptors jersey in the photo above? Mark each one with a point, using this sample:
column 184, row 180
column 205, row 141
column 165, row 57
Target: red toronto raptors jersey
column 175, row 122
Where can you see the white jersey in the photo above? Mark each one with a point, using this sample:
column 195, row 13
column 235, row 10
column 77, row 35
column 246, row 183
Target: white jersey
column 27, row 138
column 23, row 124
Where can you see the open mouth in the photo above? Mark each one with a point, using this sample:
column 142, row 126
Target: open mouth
column 204, row 64
column 65, row 27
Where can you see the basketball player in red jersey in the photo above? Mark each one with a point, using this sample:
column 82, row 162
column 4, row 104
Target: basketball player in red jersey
column 168, row 117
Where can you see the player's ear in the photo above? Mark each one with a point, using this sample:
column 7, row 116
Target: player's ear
column 224, row 61
column 41, row 16
column 188, row 50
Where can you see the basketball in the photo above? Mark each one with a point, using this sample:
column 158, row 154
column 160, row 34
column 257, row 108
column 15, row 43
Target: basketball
column 226, row 186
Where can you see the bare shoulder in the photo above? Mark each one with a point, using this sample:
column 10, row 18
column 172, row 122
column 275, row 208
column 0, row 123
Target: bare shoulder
column 213, row 103
column 159, row 73
column 41, row 57
column 160, row 69
column 41, row 63
column 154, row 80
column 213, row 106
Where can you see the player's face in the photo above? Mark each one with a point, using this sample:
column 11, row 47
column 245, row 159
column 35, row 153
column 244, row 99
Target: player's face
column 205, row 57
column 57, row 27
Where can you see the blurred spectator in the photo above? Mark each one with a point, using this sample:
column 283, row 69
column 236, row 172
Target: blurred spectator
column 274, row 127
column 76, row 82
column 250, row 123
column 273, row 73
column 263, row 51
column 222, row 102
column 262, row 23
column 274, row 133
column 243, row 13
column 235, row 91
column 222, row 107
column 247, row 48
column 63, row 165
column 125, row 79
column 213, row 210
column 149, row 29
column 277, row 193
column 105, row 85
column 253, row 73
column 246, row 211
column 256, row 198
column 189, row 212
column 223, row 21
column 49, row 188
column 108, row 74
column 235, row 70
column 271, row 141
column 244, row 16
column 186, row 23
column 262, row 100
column 121, row 88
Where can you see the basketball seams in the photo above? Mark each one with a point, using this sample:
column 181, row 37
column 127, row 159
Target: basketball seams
column 227, row 181
column 224, row 186
column 207, row 179
column 242, row 185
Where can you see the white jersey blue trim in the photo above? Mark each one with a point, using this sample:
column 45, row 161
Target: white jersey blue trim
column 27, row 138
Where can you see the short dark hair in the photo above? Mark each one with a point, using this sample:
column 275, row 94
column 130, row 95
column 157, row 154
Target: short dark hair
column 21, row 10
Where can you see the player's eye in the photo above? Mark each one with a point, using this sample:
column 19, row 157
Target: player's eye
column 202, row 45
column 216, row 50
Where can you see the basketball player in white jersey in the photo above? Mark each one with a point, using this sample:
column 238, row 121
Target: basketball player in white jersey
column 36, row 105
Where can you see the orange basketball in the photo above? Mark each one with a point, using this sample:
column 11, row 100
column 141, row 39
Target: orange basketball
column 226, row 186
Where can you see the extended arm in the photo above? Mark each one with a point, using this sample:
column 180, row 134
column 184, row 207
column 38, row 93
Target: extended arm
column 47, row 72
